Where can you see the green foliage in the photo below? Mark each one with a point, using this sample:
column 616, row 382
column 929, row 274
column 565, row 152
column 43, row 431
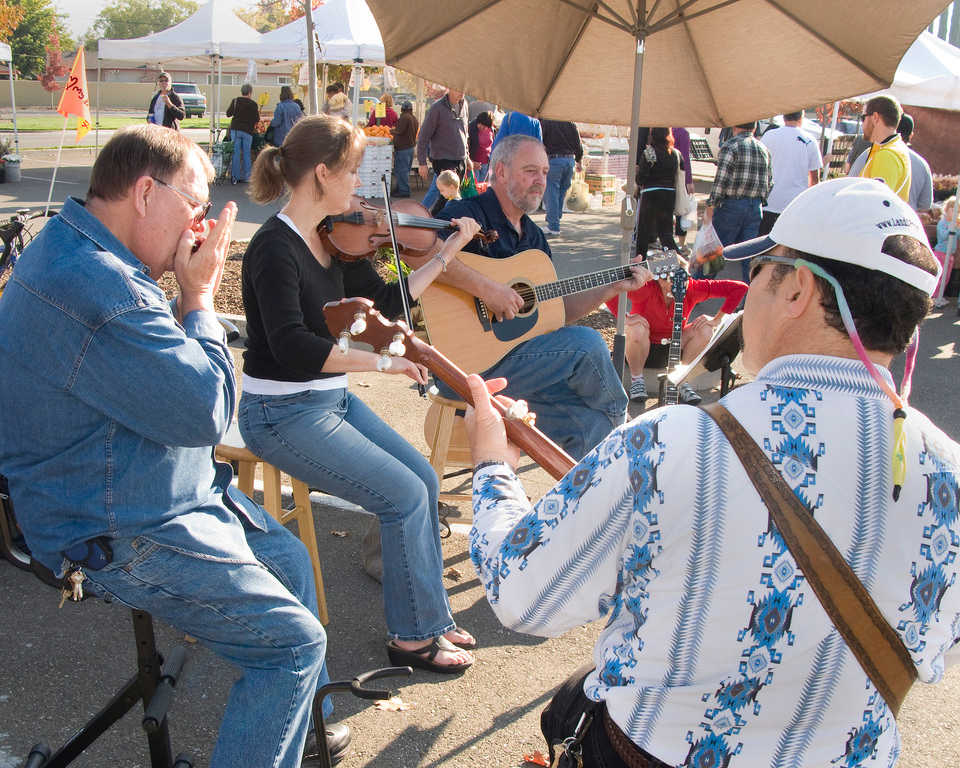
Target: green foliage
column 385, row 254
column 123, row 19
column 29, row 44
column 266, row 15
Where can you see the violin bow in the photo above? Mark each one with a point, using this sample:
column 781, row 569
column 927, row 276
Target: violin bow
column 396, row 258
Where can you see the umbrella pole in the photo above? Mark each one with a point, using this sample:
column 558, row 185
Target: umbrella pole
column 627, row 223
column 13, row 110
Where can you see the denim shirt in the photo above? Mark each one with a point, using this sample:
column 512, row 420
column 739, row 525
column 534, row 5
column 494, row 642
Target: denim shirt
column 110, row 406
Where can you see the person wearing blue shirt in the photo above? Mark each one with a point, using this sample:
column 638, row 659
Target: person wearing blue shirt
column 518, row 124
column 284, row 116
column 113, row 400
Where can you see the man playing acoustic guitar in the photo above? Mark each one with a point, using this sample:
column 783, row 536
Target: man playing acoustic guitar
column 565, row 374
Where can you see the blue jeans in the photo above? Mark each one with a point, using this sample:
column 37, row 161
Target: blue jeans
column 240, row 165
column 558, row 182
column 402, row 160
column 567, row 379
column 480, row 171
column 331, row 440
column 737, row 219
column 258, row 610
column 433, row 194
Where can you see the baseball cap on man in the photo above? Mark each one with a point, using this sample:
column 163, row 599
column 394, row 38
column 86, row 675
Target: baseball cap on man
column 846, row 220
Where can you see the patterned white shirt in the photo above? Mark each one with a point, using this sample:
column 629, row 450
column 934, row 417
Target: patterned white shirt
column 716, row 652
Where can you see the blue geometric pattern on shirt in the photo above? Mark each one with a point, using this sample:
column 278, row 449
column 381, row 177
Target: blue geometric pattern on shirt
column 703, row 566
column 644, row 453
column 935, row 571
column 767, row 632
column 835, row 374
column 863, row 555
column 862, row 741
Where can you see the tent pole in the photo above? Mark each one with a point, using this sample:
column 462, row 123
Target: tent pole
column 628, row 222
column 326, row 78
column 96, row 141
column 833, row 133
column 13, row 109
column 357, row 77
column 211, row 113
column 219, row 91
column 312, row 103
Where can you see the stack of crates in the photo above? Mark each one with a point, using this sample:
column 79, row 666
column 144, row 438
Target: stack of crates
column 377, row 160
column 603, row 183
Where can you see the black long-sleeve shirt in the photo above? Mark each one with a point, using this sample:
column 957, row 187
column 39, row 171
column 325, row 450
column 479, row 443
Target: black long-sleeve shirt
column 561, row 137
column 284, row 290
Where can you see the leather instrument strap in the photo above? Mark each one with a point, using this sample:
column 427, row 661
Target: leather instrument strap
column 878, row 648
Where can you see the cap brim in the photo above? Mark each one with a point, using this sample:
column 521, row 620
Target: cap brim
column 748, row 248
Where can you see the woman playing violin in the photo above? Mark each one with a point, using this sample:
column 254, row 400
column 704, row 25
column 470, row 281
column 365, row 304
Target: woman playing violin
column 296, row 411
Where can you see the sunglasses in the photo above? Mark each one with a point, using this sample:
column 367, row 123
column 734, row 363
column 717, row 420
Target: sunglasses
column 204, row 207
column 758, row 263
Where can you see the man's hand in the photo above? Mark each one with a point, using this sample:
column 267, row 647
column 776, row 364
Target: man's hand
column 198, row 274
column 502, row 301
column 488, row 437
column 639, row 277
column 423, row 171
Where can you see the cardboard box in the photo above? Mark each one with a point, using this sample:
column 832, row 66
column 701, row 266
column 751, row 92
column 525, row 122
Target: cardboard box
column 600, row 182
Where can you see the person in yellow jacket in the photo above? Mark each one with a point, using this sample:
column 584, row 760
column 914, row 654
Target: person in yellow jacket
column 889, row 157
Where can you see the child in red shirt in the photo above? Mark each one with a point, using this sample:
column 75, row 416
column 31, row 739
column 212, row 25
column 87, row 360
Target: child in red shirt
column 649, row 326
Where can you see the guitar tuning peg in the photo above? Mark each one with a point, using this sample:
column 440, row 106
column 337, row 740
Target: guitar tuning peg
column 433, row 390
column 343, row 342
column 359, row 324
column 384, row 361
column 397, row 348
column 520, row 411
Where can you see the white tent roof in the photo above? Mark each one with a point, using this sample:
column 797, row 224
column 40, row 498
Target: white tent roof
column 5, row 54
column 203, row 34
column 928, row 75
column 346, row 30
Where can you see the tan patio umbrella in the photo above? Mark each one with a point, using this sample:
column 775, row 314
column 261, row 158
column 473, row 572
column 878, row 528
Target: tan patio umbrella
column 653, row 62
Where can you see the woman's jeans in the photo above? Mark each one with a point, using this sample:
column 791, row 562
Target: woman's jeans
column 240, row 164
column 257, row 609
column 567, row 379
column 332, row 441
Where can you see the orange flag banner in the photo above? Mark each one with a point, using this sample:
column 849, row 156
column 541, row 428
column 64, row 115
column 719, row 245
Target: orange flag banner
column 75, row 99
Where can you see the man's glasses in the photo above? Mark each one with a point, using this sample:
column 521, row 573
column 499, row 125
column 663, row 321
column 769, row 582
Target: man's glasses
column 204, row 207
column 758, row 263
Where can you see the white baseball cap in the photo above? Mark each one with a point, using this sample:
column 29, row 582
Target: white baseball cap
column 846, row 220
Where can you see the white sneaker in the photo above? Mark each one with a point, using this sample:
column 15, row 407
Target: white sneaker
column 638, row 390
column 689, row 396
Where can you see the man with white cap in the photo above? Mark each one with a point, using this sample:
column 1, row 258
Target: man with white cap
column 717, row 649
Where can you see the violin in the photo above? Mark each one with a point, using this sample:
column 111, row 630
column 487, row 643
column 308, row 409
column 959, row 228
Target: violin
column 359, row 231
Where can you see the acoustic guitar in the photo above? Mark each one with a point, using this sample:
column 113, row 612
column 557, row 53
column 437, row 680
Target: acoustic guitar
column 462, row 327
column 356, row 320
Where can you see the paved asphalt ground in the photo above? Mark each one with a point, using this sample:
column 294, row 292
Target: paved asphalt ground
column 59, row 665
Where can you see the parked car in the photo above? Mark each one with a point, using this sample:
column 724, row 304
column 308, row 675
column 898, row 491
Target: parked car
column 194, row 102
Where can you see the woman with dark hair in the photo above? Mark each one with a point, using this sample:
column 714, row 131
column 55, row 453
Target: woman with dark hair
column 284, row 116
column 296, row 411
column 480, row 142
column 656, row 186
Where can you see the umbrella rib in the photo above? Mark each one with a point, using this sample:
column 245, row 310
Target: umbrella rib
column 676, row 17
column 566, row 58
column 444, row 31
column 703, row 73
column 613, row 13
column 592, row 11
column 829, row 43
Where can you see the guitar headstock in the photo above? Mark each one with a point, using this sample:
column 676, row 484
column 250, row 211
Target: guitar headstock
column 356, row 319
column 663, row 263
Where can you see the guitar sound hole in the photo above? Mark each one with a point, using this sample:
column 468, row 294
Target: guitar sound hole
column 529, row 296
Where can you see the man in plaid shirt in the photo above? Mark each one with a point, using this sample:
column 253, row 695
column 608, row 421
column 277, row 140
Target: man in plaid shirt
column 740, row 188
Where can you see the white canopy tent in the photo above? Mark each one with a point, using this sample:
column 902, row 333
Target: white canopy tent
column 345, row 33
column 7, row 55
column 204, row 35
column 928, row 75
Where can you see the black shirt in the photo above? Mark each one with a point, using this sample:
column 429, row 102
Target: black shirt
column 486, row 211
column 663, row 173
column 561, row 137
column 284, row 290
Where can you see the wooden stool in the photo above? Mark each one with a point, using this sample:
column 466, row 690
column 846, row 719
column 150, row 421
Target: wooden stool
column 232, row 449
column 446, row 435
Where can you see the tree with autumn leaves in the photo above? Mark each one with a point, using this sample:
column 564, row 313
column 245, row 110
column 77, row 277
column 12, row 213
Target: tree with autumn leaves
column 38, row 27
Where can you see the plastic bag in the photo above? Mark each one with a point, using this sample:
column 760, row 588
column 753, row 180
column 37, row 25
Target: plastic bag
column 468, row 187
column 707, row 246
column 578, row 198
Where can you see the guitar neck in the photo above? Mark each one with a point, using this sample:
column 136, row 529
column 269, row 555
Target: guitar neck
column 672, row 393
column 581, row 283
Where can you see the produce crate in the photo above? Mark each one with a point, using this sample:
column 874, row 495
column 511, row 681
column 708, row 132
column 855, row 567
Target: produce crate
column 377, row 160
column 600, row 182
column 608, row 197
